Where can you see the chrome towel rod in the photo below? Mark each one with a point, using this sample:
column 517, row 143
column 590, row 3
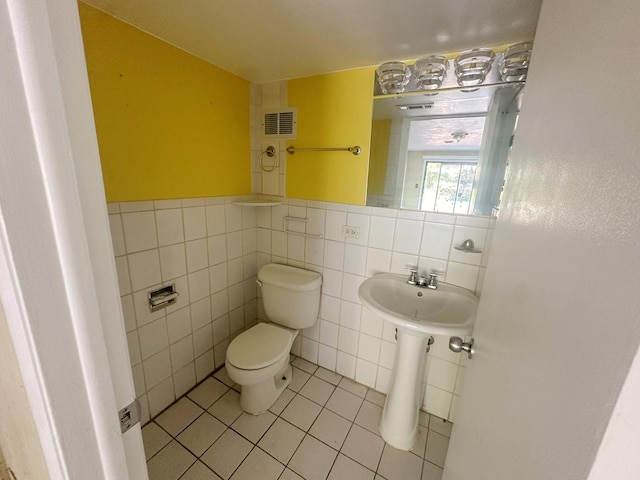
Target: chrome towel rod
column 355, row 150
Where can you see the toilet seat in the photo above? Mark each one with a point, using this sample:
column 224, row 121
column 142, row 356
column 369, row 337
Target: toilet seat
column 260, row 346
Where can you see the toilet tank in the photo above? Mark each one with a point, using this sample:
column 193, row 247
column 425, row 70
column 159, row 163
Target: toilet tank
column 291, row 296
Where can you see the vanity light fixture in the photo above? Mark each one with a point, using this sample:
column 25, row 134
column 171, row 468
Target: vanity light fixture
column 472, row 66
column 430, row 72
column 515, row 63
column 393, row 77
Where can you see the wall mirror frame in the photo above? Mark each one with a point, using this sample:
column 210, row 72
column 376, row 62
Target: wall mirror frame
column 443, row 150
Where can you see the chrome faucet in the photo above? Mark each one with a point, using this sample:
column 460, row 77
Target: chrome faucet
column 413, row 275
column 421, row 281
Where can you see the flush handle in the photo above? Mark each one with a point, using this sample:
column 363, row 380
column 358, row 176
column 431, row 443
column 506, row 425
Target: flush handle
column 457, row 345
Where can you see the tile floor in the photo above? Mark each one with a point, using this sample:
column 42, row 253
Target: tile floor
column 324, row 426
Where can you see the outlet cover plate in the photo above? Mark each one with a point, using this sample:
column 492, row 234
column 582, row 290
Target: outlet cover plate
column 350, row 232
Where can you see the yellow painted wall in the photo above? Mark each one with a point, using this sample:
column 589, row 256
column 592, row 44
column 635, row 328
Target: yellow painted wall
column 169, row 125
column 334, row 110
column 380, row 135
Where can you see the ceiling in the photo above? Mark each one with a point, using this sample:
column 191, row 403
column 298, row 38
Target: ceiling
column 438, row 134
column 268, row 40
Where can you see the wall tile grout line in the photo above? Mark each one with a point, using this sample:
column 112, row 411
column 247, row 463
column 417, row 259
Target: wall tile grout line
column 347, row 340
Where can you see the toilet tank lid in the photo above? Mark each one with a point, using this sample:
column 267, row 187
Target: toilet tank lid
column 291, row 278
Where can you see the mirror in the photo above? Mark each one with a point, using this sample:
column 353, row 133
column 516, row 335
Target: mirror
column 444, row 152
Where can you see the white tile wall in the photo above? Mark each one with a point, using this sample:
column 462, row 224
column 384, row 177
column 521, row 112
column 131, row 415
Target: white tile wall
column 212, row 251
column 270, row 179
column 349, row 339
column 207, row 247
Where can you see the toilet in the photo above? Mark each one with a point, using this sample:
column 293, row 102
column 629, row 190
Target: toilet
column 258, row 358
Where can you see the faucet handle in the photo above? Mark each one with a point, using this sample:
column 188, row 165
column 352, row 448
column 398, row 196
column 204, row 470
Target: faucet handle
column 433, row 281
column 413, row 277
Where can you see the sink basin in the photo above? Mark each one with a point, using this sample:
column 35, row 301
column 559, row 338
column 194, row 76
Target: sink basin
column 417, row 313
column 448, row 310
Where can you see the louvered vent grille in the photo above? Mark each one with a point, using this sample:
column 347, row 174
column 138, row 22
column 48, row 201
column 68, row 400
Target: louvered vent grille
column 270, row 123
column 280, row 124
column 286, row 123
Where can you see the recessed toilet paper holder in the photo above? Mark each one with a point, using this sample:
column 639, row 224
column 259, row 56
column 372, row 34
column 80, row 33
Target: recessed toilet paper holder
column 162, row 297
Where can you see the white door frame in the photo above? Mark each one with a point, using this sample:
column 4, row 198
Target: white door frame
column 57, row 274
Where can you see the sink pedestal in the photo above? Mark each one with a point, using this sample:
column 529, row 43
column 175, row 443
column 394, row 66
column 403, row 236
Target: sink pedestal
column 417, row 314
column 399, row 421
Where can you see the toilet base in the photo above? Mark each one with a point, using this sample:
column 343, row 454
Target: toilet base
column 258, row 398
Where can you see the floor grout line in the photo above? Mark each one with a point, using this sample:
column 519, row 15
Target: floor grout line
column 307, row 432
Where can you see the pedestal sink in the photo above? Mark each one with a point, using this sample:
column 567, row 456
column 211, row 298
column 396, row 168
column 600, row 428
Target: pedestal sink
column 417, row 313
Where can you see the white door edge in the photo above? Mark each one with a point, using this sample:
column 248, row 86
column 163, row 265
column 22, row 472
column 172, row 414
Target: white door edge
column 57, row 274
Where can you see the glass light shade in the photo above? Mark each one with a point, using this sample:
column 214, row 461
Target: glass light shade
column 515, row 63
column 472, row 66
column 430, row 72
column 393, row 77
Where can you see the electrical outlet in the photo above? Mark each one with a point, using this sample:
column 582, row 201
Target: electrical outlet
column 350, row 232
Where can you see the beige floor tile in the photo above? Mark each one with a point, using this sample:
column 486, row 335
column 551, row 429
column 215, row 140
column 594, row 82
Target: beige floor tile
column 227, row 408
column 252, row 427
column 346, row 469
column 330, row 428
column 178, row 416
column 353, row 387
column 424, row 418
column 223, row 376
column 344, row 404
column 369, row 416
column 313, row 459
column 170, row 462
column 441, row 426
column 421, row 444
column 301, row 412
column 305, row 365
column 437, row 446
column 328, row 376
column 154, row 439
column 399, row 465
column 258, row 465
column 268, row 447
column 281, row 440
column 226, row 454
column 376, row 397
column 363, row 446
column 208, row 392
column 201, row 434
column 298, row 379
column 290, row 475
column 317, row 390
column 283, row 400
column 431, row 471
column 199, row 471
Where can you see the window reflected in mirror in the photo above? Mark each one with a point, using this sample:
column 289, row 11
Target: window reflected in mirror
column 441, row 163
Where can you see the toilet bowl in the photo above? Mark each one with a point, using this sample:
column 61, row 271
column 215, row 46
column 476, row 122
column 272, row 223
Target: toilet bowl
column 258, row 359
